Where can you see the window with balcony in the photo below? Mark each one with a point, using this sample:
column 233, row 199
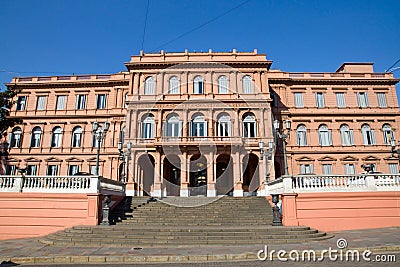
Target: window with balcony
column 148, row 126
column 298, row 100
column 224, row 125
column 15, row 137
column 31, row 169
column 249, row 125
column 21, row 103
column 350, row 169
column 362, row 98
column 56, row 137
column 346, row 135
column 393, row 168
column 222, row 85
column 319, row 99
column 387, row 134
column 173, row 85
column 198, row 85
column 11, row 170
column 324, row 135
column 340, row 100
column 52, row 170
column 368, row 135
column 92, row 169
column 306, row 169
column 61, row 100
column 41, row 102
column 173, row 126
column 199, row 125
column 301, row 135
column 73, row 169
column 36, row 136
column 149, row 86
column 247, row 84
column 80, row 102
column 76, row 137
column 327, row 169
column 382, row 103
column 101, row 101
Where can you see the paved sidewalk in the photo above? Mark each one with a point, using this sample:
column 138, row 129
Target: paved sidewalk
column 32, row 251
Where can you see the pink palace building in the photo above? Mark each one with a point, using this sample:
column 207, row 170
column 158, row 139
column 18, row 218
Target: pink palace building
column 210, row 124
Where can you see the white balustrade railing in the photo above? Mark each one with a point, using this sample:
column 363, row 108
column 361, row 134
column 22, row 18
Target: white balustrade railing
column 61, row 184
column 334, row 183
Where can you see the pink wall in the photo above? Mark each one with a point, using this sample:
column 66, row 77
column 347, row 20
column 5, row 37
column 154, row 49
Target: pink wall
column 36, row 214
column 342, row 211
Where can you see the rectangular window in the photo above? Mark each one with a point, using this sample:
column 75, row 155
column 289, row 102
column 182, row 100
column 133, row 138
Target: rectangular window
column 327, row 169
column 11, row 170
column 21, row 103
column 93, row 170
column 350, row 169
column 362, row 99
column 31, row 170
column 320, row 101
column 147, row 130
column 298, row 100
column 73, row 169
column 41, row 103
column 382, row 100
column 306, row 169
column 52, row 170
column 340, row 100
column 101, row 101
column 393, row 168
column 199, row 128
column 80, row 102
column 61, row 99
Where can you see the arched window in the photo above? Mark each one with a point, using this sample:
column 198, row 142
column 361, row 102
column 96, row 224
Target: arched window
column 149, row 85
column 346, row 135
column 387, row 134
column 56, row 137
column 122, row 134
column 148, row 126
column 249, row 125
column 301, row 135
column 222, row 85
column 198, row 85
column 36, row 136
column 368, row 135
column 173, row 85
column 76, row 137
column 325, row 135
column 126, row 100
column 224, row 125
column 199, row 125
column 173, row 126
column 247, row 84
column 15, row 138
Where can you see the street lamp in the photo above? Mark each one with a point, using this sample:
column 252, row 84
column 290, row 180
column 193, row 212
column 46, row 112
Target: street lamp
column 99, row 133
column 268, row 153
column 124, row 157
column 284, row 136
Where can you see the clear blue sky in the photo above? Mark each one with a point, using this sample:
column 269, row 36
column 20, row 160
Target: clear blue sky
column 96, row 36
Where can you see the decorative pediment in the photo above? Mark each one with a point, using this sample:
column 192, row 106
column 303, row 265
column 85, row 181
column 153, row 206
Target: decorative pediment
column 73, row 159
column 305, row 159
column 93, row 160
column 327, row 158
column 53, row 159
column 391, row 158
column 11, row 159
column 349, row 158
column 32, row 159
column 370, row 158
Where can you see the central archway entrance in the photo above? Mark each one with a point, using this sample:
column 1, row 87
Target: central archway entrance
column 198, row 175
column 145, row 174
column 224, row 167
column 251, row 177
column 172, row 175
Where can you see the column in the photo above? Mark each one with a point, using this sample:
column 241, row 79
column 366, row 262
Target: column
column 211, row 190
column 134, row 89
column 184, row 176
column 237, row 181
column 157, row 178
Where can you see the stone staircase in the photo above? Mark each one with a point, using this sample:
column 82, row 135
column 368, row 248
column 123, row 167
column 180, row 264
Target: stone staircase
column 149, row 222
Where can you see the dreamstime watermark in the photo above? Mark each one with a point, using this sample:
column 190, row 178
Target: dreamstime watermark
column 341, row 253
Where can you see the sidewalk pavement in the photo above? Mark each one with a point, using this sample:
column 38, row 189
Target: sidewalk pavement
column 32, row 251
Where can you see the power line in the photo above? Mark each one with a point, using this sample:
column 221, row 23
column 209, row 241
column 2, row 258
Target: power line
column 393, row 66
column 203, row 24
column 145, row 22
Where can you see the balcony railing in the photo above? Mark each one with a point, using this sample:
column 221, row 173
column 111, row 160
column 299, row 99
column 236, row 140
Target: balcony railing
column 334, row 183
column 61, row 184
column 197, row 139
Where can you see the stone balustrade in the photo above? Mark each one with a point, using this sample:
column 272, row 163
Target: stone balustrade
column 334, row 183
column 61, row 184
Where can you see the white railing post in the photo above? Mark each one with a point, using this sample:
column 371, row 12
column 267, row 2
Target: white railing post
column 18, row 184
column 370, row 182
column 287, row 184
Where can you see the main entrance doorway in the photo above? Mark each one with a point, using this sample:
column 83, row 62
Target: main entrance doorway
column 145, row 177
column 198, row 176
column 224, row 166
column 172, row 175
column 251, row 177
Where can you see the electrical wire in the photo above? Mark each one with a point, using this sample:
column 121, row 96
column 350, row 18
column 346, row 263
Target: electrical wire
column 145, row 22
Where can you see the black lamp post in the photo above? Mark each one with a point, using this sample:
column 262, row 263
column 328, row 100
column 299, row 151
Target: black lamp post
column 124, row 156
column 99, row 132
column 268, row 153
column 284, row 135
